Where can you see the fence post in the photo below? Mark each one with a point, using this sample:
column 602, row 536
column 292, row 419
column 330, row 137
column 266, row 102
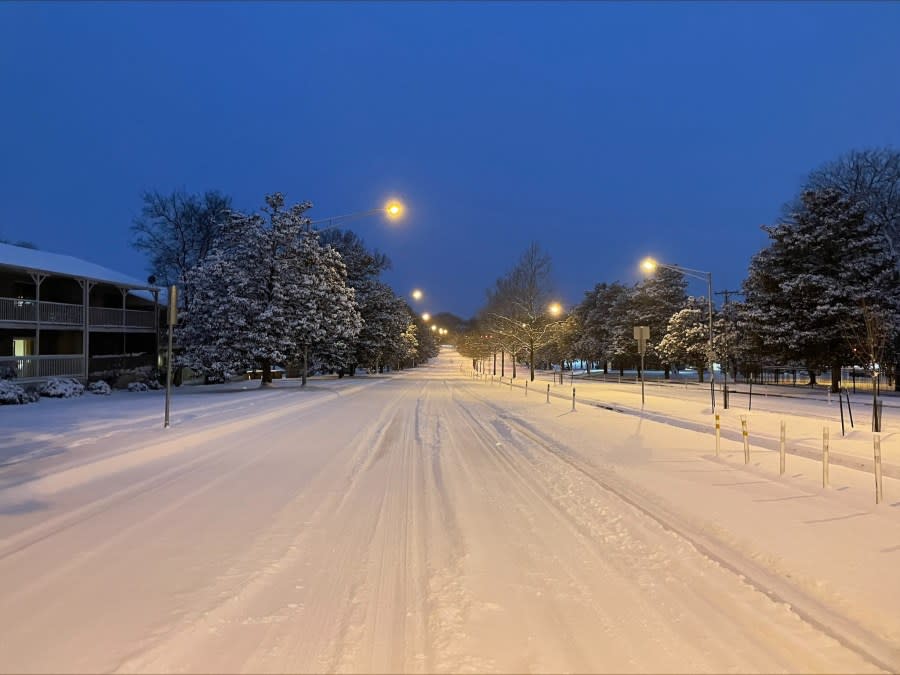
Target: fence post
column 824, row 456
column 879, row 495
column 573, row 399
column 841, row 401
column 849, row 409
column 781, row 449
column 746, row 435
column 718, row 435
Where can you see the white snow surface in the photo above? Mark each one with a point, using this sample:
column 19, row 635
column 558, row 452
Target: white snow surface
column 428, row 521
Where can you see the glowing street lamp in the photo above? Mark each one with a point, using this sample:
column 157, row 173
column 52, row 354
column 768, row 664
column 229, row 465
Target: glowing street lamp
column 433, row 327
column 426, row 317
column 416, row 294
column 650, row 265
column 555, row 309
column 392, row 210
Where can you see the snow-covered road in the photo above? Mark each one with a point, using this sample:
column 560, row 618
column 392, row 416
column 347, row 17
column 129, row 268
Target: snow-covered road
column 406, row 525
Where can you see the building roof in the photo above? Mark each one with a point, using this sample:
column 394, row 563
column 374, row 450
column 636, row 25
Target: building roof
column 32, row 260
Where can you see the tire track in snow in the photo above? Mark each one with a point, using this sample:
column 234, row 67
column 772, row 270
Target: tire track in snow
column 845, row 632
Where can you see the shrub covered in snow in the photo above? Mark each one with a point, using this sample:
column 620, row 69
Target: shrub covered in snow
column 62, row 387
column 99, row 387
column 11, row 394
column 137, row 386
column 145, row 375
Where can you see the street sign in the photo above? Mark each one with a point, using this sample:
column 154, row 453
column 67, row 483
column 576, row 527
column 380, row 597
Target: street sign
column 642, row 334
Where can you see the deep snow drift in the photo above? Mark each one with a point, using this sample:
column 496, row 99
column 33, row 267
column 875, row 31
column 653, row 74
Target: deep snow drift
column 426, row 521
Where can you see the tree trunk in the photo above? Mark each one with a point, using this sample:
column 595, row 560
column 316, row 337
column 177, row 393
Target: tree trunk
column 513, row 355
column 305, row 364
column 700, row 370
column 531, row 359
column 495, row 364
column 667, row 372
column 835, row 378
column 266, row 378
column 502, row 363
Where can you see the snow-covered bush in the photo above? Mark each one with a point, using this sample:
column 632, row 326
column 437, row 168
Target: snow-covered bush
column 99, row 387
column 137, row 386
column 62, row 387
column 11, row 394
column 144, row 375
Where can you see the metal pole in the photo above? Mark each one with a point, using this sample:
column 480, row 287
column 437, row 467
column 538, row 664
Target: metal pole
column 712, row 375
column 172, row 316
column 642, row 378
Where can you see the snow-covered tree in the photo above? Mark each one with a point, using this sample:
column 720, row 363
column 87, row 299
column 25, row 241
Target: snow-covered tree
column 821, row 267
column 265, row 294
column 386, row 318
column 686, row 340
column 652, row 303
column 598, row 320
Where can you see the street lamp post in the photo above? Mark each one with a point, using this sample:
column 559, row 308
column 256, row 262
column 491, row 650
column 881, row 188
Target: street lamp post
column 393, row 210
column 650, row 265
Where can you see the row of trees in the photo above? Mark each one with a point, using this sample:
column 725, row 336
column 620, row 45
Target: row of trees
column 265, row 288
column 824, row 293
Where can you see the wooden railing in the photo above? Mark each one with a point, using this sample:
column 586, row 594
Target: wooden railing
column 16, row 309
column 61, row 313
column 38, row 367
column 66, row 314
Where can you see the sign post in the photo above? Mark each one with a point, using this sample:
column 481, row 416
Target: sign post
column 172, row 315
column 642, row 334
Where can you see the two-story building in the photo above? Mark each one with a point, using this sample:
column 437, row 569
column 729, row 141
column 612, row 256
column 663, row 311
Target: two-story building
column 63, row 316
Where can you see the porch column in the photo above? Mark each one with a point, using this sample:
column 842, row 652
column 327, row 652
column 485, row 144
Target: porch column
column 86, row 287
column 124, row 292
column 38, row 279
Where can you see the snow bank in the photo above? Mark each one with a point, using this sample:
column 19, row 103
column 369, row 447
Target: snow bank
column 99, row 387
column 62, row 387
column 11, row 394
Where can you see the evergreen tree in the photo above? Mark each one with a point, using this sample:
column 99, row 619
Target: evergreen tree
column 808, row 287
column 265, row 293
column 686, row 340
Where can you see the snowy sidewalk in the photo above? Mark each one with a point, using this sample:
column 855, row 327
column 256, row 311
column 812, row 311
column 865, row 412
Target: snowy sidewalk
column 688, row 407
column 832, row 545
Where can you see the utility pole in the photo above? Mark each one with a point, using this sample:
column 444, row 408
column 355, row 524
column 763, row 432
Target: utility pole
column 727, row 295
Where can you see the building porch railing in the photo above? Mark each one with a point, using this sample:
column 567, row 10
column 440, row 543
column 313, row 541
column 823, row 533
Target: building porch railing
column 64, row 314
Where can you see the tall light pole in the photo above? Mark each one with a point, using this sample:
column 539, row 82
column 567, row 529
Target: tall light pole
column 392, row 210
column 649, row 265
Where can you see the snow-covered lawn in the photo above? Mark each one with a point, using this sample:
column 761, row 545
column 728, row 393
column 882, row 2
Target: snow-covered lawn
column 428, row 521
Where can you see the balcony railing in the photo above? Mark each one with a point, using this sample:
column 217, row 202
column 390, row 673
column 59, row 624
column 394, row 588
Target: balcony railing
column 61, row 313
column 38, row 367
column 15, row 309
column 65, row 314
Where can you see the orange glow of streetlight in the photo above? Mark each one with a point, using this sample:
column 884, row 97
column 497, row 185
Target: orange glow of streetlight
column 649, row 265
column 394, row 209
column 555, row 309
column 433, row 327
column 426, row 317
column 416, row 294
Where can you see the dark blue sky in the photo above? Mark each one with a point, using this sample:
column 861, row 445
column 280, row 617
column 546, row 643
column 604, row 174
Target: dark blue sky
column 603, row 131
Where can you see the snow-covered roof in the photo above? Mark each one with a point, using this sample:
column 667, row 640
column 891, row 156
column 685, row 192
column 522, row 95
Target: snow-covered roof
column 64, row 265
